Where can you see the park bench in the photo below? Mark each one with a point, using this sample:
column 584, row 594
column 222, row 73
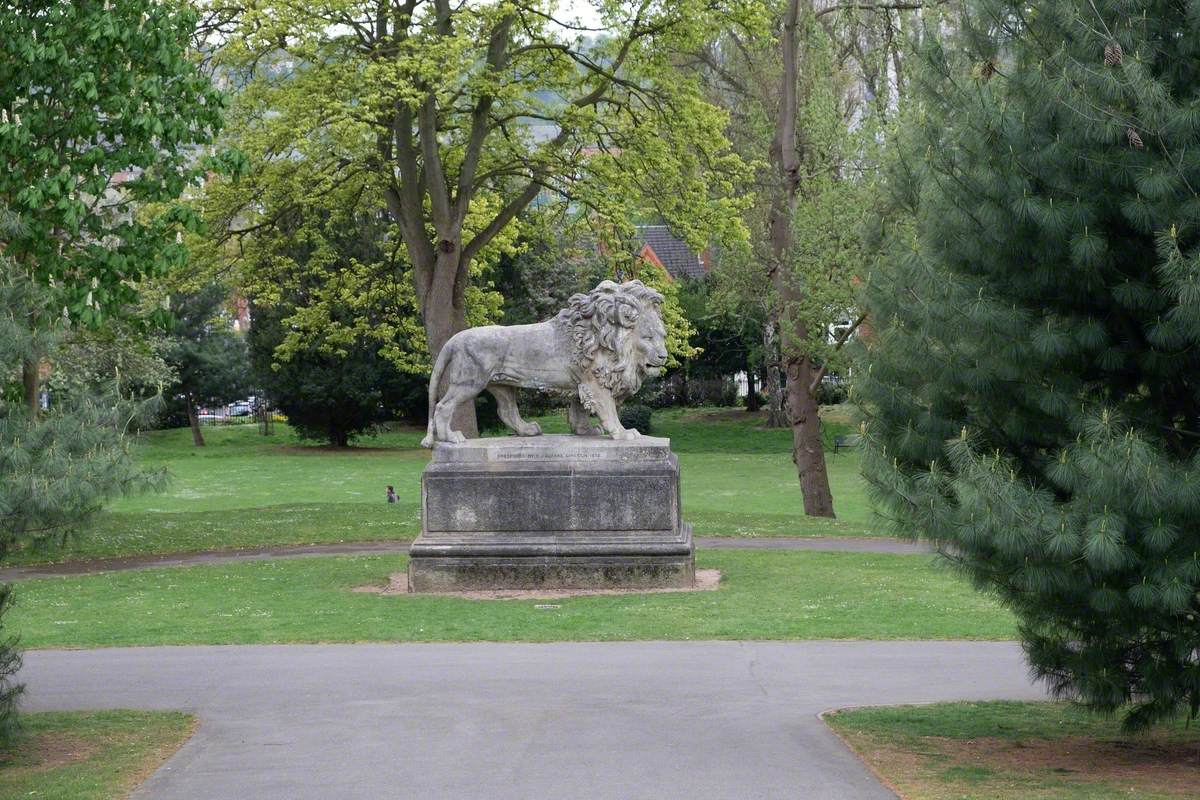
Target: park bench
column 846, row 440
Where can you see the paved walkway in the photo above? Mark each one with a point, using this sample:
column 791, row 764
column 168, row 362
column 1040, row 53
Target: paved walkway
column 693, row 720
column 372, row 548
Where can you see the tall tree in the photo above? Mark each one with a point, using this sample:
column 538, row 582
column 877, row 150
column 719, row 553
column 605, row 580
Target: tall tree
column 56, row 469
column 326, row 394
column 808, row 451
column 210, row 360
column 1031, row 392
column 798, row 108
column 462, row 116
column 335, row 339
column 101, row 110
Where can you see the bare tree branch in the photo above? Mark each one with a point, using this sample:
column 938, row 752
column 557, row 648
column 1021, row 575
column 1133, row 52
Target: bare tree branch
column 901, row 6
column 497, row 58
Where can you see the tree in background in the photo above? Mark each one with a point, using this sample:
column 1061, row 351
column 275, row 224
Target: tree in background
column 210, row 360
column 330, row 395
column 460, row 116
column 1031, row 388
column 121, row 354
column 725, row 342
column 679, row 328
column 101, row 110
column 799, row 109
column 58, row 468
column 553, row 258
column 336, row 341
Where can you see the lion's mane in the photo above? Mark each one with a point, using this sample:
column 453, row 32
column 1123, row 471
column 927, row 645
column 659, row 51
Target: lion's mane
column 601, row 325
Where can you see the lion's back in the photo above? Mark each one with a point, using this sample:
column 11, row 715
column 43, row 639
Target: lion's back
column 533, row 355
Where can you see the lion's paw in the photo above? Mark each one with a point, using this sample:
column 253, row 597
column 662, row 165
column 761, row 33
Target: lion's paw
column 530, row 429
column 455, row 437
column 628, row 433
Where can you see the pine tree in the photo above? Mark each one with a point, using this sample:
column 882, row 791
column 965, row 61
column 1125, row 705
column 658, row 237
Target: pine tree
column 1031, row 393
column 57, row 468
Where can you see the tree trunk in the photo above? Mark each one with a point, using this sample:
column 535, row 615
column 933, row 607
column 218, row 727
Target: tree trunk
column 445, row 314
column 807, row 451
column 194, row 423
column 30, row 379
column 752, row 404
column 771, row 382
column 777, row 402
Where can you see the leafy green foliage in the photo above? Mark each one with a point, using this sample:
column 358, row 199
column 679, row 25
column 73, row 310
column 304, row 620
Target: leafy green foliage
column 551, row 260
column 321, row 253
column 336, row 342
column 120, row 354
column 1030, row 392
column 329, row 395
column 679, row 328
column 637, row 416
column 57, row 469
column 456, row 120
column 832, row 393
column 835, row 125
column 724, row 340
column 827, row 258
column 101, row 110
column 211, row 360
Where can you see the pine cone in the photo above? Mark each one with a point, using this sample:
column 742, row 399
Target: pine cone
column 1113, row 54
column 1134, row 139
column 987, row 70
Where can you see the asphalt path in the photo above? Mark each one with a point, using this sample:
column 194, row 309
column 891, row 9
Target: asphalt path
column 270, row 553
column 642, row 720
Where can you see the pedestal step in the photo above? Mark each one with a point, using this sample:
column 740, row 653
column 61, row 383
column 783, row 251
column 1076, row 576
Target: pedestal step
column 569, row 512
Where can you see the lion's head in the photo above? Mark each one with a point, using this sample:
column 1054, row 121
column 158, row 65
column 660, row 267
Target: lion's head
column 618, row 334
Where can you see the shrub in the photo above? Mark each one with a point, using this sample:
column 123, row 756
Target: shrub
column 832, row 393
column 637, row 416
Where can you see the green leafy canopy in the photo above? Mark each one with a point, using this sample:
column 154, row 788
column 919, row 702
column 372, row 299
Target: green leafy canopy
column 1031, row 391
column 102, row 113
column 456, row 121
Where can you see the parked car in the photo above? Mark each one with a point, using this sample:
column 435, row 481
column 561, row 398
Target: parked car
column 241, row 408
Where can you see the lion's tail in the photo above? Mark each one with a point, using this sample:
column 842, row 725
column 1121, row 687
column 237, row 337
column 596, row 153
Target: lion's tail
column 435, row 383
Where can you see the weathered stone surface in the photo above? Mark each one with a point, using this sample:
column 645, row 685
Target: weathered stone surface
column 597, row 351
column 551, row 511
column 469, row 573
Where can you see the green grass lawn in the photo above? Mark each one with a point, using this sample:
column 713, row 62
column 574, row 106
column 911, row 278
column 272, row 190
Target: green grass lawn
column 244, row 489
column 89, row 755
column 763, row 595
column 1032, row 751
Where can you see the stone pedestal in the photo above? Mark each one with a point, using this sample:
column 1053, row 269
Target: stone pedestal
column 561, row 512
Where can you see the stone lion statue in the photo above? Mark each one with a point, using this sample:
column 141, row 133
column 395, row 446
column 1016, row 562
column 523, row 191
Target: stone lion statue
column 598, row 350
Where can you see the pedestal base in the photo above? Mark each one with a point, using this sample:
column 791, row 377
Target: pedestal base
column 551, row 512
column 470, row 573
